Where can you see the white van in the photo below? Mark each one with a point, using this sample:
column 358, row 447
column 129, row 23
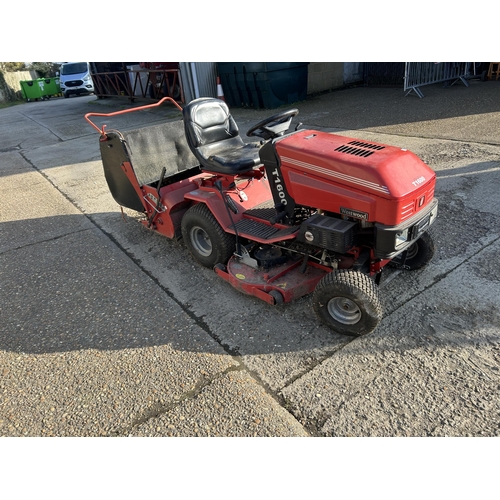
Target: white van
column 75, row 78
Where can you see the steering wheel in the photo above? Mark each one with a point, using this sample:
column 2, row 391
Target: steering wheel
column 274, row 125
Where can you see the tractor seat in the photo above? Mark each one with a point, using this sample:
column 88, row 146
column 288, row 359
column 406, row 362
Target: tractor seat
column 213, row 136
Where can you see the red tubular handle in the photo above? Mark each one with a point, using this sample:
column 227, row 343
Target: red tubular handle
column 139, row 108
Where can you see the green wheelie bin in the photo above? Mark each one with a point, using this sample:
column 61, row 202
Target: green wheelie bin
column 49, row 86
column 31, row 90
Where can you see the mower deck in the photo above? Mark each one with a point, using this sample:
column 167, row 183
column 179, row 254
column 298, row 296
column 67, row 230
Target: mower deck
column 291, row 279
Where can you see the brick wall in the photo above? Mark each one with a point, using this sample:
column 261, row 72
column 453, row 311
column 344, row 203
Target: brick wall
column 12, row 81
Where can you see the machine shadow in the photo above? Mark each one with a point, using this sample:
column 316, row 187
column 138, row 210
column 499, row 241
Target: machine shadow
column 67, row 286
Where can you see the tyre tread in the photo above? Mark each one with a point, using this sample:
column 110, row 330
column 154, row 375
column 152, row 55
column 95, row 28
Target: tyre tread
column 226, row 240
column 355, row 284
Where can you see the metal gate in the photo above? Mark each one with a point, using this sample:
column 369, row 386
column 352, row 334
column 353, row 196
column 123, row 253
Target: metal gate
column 132, row 80
column 419, row 74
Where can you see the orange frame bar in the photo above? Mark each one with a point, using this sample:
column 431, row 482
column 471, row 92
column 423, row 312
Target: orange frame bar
column 139, row 108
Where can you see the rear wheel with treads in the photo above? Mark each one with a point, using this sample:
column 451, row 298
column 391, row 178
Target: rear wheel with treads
column 204, row 237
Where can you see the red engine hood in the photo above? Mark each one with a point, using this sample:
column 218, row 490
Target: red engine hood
column 387, row 171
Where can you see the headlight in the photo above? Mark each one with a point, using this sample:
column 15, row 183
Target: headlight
column 401, row 237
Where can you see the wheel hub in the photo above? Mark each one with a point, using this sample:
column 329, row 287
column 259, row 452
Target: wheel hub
column 344, row 310
column 201, row 241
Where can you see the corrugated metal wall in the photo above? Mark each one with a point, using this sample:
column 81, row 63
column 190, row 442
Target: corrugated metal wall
column 353, row 72
column 199, row 79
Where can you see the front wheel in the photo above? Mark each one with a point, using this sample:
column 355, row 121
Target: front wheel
column 418, row 255
column 204, row 237
column 348, row 302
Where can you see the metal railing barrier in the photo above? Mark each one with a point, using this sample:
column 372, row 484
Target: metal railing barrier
column 418, row 74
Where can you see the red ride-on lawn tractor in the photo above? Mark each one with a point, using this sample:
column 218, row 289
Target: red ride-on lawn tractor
column 297, row 212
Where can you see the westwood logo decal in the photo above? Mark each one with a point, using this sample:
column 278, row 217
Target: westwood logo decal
column 354, row 213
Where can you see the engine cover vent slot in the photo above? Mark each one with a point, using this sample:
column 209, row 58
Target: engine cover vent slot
column 354, row 148
column 367, row 145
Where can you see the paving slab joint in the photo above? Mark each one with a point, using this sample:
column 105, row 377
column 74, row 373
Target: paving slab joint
column 159, row 409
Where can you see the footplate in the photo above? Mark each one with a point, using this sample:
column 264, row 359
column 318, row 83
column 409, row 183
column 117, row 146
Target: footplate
column 267, row 214
column 255, row 230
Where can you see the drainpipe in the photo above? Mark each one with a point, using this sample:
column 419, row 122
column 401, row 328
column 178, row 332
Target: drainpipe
column 195, row 80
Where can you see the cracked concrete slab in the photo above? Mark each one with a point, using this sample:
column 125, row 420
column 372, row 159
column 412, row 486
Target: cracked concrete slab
column 32, row 211
column 437, row 378
column 232, row 405
column 109, row 329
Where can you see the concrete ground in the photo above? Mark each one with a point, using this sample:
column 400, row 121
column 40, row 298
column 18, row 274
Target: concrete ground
column 107, row 329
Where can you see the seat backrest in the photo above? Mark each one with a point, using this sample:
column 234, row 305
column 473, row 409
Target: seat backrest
column 207, row 121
